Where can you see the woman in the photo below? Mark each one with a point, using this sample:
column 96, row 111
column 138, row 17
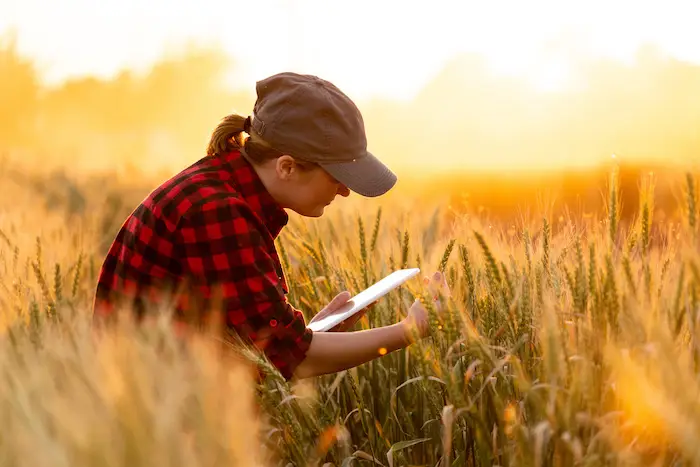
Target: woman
column 208, row 233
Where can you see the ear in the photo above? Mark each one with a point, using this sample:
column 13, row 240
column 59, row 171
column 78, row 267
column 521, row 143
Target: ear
column 285, row 167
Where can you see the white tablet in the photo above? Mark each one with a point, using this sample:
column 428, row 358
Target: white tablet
column 364, row 298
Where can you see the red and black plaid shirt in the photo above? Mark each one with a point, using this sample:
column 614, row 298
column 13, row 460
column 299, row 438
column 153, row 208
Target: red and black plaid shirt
column 211, row 227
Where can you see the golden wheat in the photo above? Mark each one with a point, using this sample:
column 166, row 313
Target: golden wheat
column 571, row 341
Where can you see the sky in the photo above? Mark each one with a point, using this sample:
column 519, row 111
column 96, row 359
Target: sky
column 368, row 47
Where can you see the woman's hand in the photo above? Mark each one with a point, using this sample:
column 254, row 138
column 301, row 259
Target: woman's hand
column 437, row 285
column 330, row 353
column 337, row 302
column 416, row 321
column 417, row 318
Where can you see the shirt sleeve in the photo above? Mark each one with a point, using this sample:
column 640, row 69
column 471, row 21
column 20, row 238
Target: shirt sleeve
column 226, row 253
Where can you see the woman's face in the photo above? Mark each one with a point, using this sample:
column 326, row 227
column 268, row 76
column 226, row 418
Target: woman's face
column 306, row 188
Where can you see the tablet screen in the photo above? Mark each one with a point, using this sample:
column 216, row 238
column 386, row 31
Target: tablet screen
column 364, row 298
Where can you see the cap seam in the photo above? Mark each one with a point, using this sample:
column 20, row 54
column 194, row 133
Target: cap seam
column 326, row 133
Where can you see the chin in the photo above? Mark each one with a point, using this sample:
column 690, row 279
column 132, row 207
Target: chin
column 317, row 212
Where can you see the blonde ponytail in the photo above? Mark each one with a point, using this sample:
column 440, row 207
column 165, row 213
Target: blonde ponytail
column 227, row 135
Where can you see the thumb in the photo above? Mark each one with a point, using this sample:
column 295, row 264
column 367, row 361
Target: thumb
column 338, row 300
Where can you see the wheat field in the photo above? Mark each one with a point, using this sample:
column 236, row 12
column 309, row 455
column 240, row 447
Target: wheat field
column 566, row 341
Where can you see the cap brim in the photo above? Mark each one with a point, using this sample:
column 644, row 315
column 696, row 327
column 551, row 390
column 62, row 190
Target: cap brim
column 367, row 176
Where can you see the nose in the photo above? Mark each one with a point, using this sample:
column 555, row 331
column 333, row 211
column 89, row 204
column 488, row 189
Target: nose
column 343, row 190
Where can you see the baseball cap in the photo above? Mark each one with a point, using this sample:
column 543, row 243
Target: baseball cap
column 309, row 118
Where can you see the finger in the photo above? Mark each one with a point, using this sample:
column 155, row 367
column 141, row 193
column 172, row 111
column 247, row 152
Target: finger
column 438, row 289
column 348, row 323
column 338, row 301
column 443, row 282
column 341, row 298
column 356, row 317
column 432, row 281
column 438, row 285
column 446, row 286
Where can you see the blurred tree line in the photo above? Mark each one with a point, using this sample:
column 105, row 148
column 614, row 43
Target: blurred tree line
column 19, row 95
column 137, row 121
column 649, row 109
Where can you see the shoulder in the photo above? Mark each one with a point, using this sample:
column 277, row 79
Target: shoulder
column 194, row 191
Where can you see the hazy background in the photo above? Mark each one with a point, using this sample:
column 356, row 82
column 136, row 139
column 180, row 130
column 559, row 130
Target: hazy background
column 498, row 102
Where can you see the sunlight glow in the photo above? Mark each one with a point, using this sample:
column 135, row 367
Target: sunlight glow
column 550, row 78
column 368, row 54
column 511, row 86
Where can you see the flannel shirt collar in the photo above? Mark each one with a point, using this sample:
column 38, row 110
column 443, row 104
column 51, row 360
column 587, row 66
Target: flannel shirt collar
column 253, row 191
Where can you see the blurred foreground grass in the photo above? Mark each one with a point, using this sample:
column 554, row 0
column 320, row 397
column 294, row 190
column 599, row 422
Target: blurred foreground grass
column 567, row 341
